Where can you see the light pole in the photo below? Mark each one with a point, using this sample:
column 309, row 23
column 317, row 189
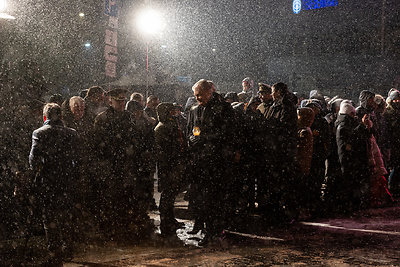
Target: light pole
column 150, row 23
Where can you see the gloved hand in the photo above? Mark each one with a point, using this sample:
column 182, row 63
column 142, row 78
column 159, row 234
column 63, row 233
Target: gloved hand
column 194, row 139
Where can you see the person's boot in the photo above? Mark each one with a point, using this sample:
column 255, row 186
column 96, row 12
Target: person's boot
column 204, row 242
column 153, row 205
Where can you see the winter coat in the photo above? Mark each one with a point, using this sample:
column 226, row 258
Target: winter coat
column 282, row 121
column 216, row 124
column 264, row 108
column 392, row 116
column 117, row 146
column 352, row 140
column 171, row 147
column 54, row 158
column 304, row 140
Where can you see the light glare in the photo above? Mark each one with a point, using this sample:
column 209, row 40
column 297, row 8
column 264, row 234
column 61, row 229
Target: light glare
column 150, row 22
column 3, row 5
column 81, row 15
column 6, row 16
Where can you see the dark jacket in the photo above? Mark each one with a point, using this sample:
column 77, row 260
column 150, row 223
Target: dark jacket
column 282, row 120
column 392, row 117
column 54, row 157
column 216, row 125
column 116, row 142
column 171, row 145
column 304, row 140
column 352, row 140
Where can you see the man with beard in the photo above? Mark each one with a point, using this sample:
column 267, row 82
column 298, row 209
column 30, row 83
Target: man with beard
column 210, row 136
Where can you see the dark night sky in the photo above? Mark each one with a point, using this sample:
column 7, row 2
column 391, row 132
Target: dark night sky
column 263, row 39
column 248, row 36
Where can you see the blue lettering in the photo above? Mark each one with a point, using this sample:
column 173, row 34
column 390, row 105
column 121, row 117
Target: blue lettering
column 316, row 4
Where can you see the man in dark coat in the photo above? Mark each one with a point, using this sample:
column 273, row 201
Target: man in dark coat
column 118, row 142
column 210, row 139
column 282, row 122
column 171, row 147
column 54, row 158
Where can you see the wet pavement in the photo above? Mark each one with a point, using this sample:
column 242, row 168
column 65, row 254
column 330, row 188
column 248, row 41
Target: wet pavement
column 366, row 238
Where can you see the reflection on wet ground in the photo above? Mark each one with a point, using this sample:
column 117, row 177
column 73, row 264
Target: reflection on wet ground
column 367, row 238
column 370, row 237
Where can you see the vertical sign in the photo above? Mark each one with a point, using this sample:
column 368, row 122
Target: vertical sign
column 111, row 38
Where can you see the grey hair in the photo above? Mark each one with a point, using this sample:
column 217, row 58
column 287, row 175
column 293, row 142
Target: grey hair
column 203, row 84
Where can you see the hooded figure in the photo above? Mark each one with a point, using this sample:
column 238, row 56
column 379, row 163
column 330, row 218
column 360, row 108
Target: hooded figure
column 352, row 140
column 304, row 140
column 367, row 107
column 171, row 149
column 392, row 116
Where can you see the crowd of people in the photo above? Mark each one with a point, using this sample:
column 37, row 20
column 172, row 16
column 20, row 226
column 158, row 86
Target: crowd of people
column 267, row 152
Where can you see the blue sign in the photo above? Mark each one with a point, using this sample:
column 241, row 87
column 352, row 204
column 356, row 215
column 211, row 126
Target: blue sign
column 111, row 8
column 184, row 79
column 312, row 4
column 296, row 6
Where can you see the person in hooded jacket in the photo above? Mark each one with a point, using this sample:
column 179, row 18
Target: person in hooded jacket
column 322, row 138
column 171, row 147
column 333, row 172
column 352, row 139
column 382, row 135
column 392, row 117
column 367, row 107
column 304, row 152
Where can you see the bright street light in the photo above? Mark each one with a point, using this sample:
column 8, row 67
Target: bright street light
column 3, row 5
column 81, row 14
column 149, row 21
